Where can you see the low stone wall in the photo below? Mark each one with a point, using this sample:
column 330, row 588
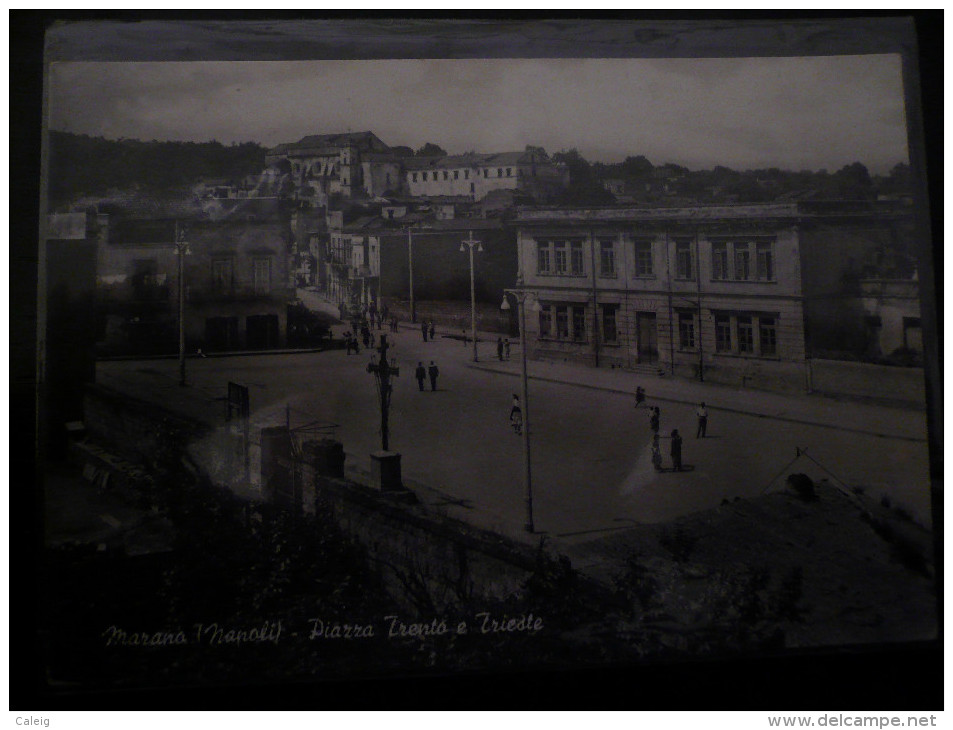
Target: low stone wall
column 903, row 385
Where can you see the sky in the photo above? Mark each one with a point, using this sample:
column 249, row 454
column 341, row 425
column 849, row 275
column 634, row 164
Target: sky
column 744, row 113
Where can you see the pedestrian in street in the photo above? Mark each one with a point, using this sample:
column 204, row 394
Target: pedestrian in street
column 656, row 453
column 464, row 337
column 347, row 343
column 655, row 419
column 499, row 348
column 639, row 396
column 423, row 330
column 365, row 334
column 506, row 348
column 433, row 372
column 702, row 414
column 676, row 450
column 516, row 415
column 371, row 337
column 420, row 373
column 432, row 329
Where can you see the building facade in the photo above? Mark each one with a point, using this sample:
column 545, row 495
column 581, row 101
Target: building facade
column 475, row 175
column 713, row 293
column 236, row 277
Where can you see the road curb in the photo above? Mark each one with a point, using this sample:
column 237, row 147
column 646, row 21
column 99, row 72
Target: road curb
column 755, row 414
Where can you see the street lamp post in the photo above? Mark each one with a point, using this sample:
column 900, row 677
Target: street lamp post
column 182, row 248
column 470, row 242
column 410, row 269
column 520, row 295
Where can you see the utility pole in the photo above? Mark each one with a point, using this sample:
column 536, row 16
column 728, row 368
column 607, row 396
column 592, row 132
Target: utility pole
column 471, row 242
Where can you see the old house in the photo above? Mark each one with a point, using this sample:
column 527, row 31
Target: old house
column 729, row 293
column 236, row 277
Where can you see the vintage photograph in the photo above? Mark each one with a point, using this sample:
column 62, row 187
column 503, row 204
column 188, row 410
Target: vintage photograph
column 393, row 348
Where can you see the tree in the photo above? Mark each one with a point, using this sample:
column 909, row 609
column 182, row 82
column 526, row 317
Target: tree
column 431, row 150
column 584, row 188
column 402, row 151
column 637, row 166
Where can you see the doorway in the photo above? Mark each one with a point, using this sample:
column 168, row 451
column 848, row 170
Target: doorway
column 646, row 334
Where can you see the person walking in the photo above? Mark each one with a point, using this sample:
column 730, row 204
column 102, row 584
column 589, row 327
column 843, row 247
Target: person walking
column 655, row 419
column 420, row 373
column 656, row 453
column 676, row 450
column 423, row 330
column 639, row 396
column 432, row 330
column 516, row 415
column 433, row 372
column 499, row 348
column 702, row 414
column 506, row 348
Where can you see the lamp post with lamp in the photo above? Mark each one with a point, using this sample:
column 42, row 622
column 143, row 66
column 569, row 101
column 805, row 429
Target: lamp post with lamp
column 470, row 242
column 521, row 296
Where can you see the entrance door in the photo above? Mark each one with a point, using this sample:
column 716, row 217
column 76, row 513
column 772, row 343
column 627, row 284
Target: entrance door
column 221, row 333
column 647, row 335
column 262, row 331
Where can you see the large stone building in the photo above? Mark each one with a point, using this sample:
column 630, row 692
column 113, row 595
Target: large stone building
column 476, row 175
column 349, row 165
column 731, row 293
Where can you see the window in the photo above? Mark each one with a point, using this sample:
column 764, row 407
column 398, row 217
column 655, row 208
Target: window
column 607, row 258
column 769, row 335
column 686, row 330
column 390, row 213
column 684, row 266
column 742, row 262
column 542, row 258
column 262, row 275
column 545, row 321
column 722, row 333
column 559, row 257
column 486, row 173
column 719, row 261
column 413, row 176
column 499, row 172
column 509, row 172
column 575, row 258
column 643, row 258
column 222, row 275
column 610, row 332
column 472, row 189
column 562, row 323
column 578, row 323
column 456, row 174
column 446, row 175
column 765, row 261
column 466, row 174
column 745, row 335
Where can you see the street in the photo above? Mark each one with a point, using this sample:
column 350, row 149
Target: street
column 591, row 463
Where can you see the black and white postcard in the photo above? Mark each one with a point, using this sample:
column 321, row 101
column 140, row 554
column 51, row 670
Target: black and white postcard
column 375, row 348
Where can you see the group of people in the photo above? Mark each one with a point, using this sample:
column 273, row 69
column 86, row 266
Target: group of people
column 427, row 328
column 655, row 421
column 421, row 373
column 378, row 316
column 503, row 348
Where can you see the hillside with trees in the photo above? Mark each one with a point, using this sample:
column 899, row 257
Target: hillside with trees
column 82, row 165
